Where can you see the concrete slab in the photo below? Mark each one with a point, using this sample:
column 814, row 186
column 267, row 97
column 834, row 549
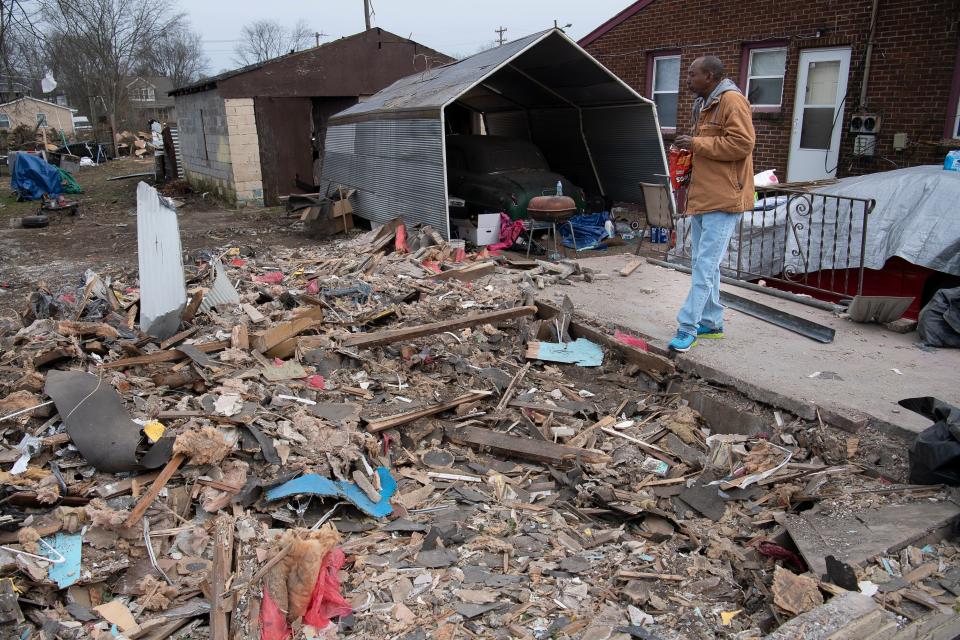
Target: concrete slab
column 773, row 365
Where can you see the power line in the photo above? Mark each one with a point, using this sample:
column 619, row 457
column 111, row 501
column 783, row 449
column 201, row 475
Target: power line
column 500, row 32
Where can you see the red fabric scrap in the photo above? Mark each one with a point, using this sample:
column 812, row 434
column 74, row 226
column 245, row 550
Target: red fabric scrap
column 317, row 382
column 237, row 262
column 273, row 277
column 510, row 230
column 400, row 245
column 313, row 287
column 780, row 553
column 273, row 622
column 430, row 265
column 630, row 341
column 326, row 601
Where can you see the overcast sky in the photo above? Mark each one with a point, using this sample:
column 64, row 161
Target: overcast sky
column 453, row 27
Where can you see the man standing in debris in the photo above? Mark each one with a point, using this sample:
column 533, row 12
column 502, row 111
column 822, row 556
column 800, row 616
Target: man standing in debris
column 721, row 189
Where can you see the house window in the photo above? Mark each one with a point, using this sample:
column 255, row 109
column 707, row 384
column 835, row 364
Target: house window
column 665, row 88
column 41, row 119
column 4, row 121
column 765, row 71
column 142, row 94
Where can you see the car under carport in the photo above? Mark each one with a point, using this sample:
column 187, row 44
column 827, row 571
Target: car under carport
column 591, row 127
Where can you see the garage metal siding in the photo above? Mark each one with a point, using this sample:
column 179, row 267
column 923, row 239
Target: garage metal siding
column 396, row 167
column 512, row 124
column 625, row 145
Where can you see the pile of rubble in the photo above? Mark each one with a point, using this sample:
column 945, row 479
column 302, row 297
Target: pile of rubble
column 405, row 443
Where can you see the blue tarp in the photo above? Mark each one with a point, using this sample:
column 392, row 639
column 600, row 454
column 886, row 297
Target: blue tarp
column 32, row 177
column 589, row 231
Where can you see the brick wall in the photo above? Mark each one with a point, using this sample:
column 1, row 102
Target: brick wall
column 910, row 80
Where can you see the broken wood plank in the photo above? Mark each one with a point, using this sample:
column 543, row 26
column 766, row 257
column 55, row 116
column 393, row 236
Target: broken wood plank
column 389, row 336
column 178, row 338
column 468, row 273
column 632, row 266
column 649, row 362
column 526, row 448
column 120, row 487
column 255, row 316
column 284, row 331
column 541, row 407
column 382, row 424
column 171, row 355
column 164, row 476
column 633, row 575
column 239, row 337
column 221, row 570
column 191, row 309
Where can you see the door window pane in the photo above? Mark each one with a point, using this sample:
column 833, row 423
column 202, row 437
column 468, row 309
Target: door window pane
column 666, row 109
column 817, row 128
column 823, row 79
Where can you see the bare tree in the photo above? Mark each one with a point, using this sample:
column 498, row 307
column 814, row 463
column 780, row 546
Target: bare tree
column 266, row 39
column 97, row 43
column 177, row 55
column 20, row 40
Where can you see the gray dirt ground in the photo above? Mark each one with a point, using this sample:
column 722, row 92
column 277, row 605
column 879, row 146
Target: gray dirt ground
column 774, row 362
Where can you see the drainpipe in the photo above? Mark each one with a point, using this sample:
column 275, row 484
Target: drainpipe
column 867, row 55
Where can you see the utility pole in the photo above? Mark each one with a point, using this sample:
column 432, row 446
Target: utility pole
column 366, row 13
column 500, row 32
column 318, row 35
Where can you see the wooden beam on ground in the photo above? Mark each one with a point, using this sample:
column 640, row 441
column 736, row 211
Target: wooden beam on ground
column 468, row 273
column 239, row 338
column 191, row 309
column 541, row 407
column 171, row 355
column 525, row 448
column 221, row 571
column 161, row 481
column 383, row 424
column 389, row 336
column 632, row 266
column 650, row 362
column 284, row 331
column 178, row 338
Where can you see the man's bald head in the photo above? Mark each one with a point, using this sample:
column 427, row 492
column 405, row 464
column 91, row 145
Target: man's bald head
column 704, row 75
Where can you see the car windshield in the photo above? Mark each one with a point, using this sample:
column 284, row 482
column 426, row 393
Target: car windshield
column 508, row 158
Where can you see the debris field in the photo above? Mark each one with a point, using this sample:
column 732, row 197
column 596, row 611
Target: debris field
column 376, row 438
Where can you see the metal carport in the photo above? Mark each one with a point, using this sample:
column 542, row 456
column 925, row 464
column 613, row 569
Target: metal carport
column 591, row 126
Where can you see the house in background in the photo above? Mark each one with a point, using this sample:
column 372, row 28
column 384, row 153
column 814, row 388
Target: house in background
column 257, row 133
column 837, row 88
column 149, row 99
column 33, row 112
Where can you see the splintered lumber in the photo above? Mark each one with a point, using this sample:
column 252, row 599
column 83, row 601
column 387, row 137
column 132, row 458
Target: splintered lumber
column 239, row 338
column 468, row 273
column 542, row 407
column 632, row 266
column 221, row 571
column 649, row 362
column 284, row 331
column 191, row 309
column 165, row 474
column 517, row 447
column 383, row 424
column 171, row 355
column 380, row 338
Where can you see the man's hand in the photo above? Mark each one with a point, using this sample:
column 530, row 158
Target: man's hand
column 683, row 142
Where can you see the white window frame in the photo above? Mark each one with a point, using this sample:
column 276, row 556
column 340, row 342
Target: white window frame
column 782, row 76
column 9, row 123
column 653, row 85
column 143, row 94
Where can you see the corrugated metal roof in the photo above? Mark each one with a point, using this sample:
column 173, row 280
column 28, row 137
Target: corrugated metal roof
column 162, row 292
column 533, row 79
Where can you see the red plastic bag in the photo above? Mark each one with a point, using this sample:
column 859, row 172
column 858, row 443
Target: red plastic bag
column 273, row 622
column 680, row 166
column 326, row 601
column 317, row 382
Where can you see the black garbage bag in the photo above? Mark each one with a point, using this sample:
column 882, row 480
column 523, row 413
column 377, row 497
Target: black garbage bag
column 935, row 453
column 939, row 322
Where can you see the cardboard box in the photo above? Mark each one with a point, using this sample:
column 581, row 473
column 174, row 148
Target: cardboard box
column 486, row 231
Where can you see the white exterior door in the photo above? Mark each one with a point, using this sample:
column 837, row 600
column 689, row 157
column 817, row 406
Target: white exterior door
column 818, row 114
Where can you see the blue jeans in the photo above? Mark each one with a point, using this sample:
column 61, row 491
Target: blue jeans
column 709, row 237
